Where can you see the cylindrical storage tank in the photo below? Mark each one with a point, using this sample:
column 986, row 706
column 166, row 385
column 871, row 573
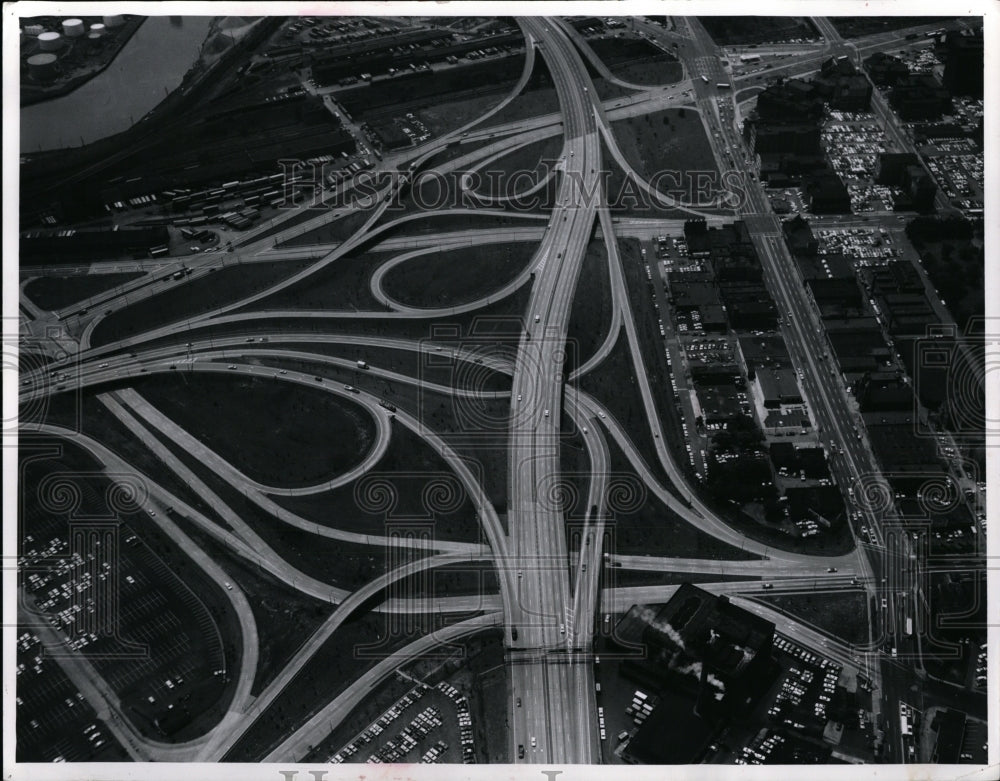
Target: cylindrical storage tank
column 49, row 42
column 97, row 30
column 115, row 20
column 42, row 67
column 73, row 28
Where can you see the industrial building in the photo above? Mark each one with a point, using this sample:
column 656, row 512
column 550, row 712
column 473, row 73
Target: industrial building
column 702, row 644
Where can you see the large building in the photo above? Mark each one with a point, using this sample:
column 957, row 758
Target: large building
column 828, row 195
column 886, row 70
column 920, row 97
column 963, row 64
column 704, row 640
column 903, row 170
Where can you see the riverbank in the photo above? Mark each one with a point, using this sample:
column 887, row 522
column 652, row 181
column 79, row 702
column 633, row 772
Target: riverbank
column 38, row 93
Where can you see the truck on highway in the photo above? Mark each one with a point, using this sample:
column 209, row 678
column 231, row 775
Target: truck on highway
column 909, row 626
column 704, row 79
column 723, row 85
column 362, row 365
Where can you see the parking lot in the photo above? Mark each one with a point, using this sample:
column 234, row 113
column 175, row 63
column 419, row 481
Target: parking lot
column 433, row 724
column 865, row 247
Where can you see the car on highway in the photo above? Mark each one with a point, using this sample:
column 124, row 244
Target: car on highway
column 231, row 366
column 520, row 751
column 534, row 743
column 546, row 413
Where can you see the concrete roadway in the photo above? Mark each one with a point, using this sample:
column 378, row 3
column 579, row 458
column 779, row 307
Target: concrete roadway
column 86, row 677
column 551, row 716
column 298, row 744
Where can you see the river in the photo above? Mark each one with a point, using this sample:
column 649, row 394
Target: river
column 151, row 65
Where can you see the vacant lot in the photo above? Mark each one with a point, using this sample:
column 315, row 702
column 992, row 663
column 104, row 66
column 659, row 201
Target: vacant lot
column 456, row 277
column 58, row 292
column 664, row 71
column 742, row 30
column 231, row 282
column 669, row 148
column 841, row 615
column 637, row 60
column 274, row 432
column 411, row 92
column 858, row 26
column 444, row 117
column 536, row 99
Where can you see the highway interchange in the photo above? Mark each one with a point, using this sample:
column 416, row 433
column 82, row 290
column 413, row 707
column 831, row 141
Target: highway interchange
column 550, row 599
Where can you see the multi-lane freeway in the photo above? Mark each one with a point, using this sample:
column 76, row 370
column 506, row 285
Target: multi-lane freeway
column 550, row 590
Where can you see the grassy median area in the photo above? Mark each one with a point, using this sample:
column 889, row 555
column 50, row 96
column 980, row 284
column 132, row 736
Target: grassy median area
column 517, row 171
column 613, row 383
column 409, row 481
column 641, row 524
column 58, row 292
column 637, row 61
column 285, row 617
column 670, row 149
column 85, row 413
column 592, row 307
column 230, row 282
column 277, row 433
column 340, row 285
column 475, row 428
column 458, row 276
